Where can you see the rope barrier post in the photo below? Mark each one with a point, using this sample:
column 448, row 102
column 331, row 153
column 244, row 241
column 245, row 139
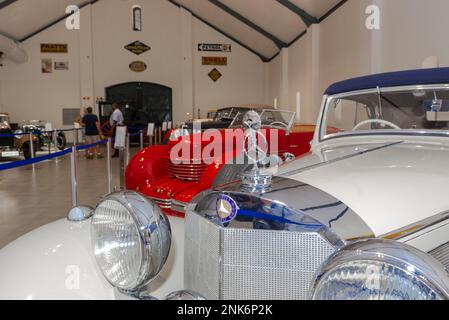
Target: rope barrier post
column 128, row 152
column 55, row 141
column 74, row 178
column 32, row 148
column 141, row 140
column 75, row 136
column 121, row 141
column 109, row 163
column 122, row 168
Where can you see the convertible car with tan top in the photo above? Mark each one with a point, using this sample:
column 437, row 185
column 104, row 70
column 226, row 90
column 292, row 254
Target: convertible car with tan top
column 365, row 215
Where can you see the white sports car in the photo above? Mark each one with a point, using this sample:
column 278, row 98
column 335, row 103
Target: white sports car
column 363, row 216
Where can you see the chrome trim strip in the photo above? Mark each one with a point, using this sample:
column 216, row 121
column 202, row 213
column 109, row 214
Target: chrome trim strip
column 314, row 166
column 162, row 203
column 403, row 132
column 416, row 227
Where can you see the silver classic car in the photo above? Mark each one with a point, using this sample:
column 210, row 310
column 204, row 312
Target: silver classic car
column 364, row 216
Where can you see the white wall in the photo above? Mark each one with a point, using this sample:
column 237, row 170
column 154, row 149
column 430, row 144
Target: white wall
column 28, row 94
column 341, row 47
column 243, row 80
column 412, row 30
column 161, row 31
column 97, row 59
column 297, row 75
column 274, row 81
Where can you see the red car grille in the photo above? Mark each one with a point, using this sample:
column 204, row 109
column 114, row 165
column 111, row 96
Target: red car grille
column 190, row 172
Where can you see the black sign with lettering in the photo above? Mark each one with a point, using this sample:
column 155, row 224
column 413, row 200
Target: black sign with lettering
column 213, row 47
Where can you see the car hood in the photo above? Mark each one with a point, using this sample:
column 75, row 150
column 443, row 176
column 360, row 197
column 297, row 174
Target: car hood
column 389, row 185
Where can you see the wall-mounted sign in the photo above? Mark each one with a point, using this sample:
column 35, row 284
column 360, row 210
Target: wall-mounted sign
column 214, row 47
column 47, row 66
column 138, row 66
column 215, row 61
column 54, row 48
column 137, row 47
column 215, row 75
column 62, row 65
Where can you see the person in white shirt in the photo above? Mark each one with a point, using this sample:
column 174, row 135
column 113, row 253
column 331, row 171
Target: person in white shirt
column 116, row 120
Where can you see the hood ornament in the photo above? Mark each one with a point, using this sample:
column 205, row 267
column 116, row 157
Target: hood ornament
column 256, row 179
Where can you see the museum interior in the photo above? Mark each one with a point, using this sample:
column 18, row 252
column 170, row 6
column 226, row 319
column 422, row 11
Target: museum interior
column 224, row 150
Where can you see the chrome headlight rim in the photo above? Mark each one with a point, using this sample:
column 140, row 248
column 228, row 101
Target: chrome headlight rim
column 411, row 261
column 150, row 266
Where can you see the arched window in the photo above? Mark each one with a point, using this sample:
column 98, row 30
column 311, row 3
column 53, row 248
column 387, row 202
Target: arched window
column 137, row 18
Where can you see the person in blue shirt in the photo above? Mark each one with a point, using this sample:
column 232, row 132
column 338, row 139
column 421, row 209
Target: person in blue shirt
column 92, row 133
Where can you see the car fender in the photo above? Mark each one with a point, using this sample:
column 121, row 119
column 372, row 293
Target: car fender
column 56, row 261
column 147, row 166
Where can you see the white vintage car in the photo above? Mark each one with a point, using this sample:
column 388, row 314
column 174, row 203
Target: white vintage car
column 363, row 216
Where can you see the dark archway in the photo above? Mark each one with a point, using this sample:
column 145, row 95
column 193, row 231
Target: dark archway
column 142, row 102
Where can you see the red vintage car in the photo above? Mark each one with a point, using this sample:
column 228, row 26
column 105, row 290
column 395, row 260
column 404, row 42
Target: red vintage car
column 172, row 179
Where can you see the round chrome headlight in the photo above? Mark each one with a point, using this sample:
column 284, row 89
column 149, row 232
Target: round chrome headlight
column 131, row 239
column 380, row 270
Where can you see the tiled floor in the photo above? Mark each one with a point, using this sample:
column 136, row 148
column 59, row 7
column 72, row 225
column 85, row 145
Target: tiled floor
column 31, row 198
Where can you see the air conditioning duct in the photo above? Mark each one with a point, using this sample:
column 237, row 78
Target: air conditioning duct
column 12, row 51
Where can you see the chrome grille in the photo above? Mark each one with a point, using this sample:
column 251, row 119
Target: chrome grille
column 202, row 253
column 442, row 255
column 250, row 264
column 190, row 172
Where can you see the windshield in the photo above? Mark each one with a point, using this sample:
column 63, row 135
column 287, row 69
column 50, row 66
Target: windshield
column 270, row 118
column 3, row 119
column 387, row 110
column 228, row 113
column 34, row 124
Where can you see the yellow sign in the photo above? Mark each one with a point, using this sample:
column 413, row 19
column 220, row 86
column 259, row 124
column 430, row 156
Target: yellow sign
column 215, row 61
column 215, row 75
column 54, row 48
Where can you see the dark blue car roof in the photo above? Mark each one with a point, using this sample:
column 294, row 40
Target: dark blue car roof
column 392, row 79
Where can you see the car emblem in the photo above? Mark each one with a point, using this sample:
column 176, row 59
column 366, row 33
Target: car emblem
column 226, row 208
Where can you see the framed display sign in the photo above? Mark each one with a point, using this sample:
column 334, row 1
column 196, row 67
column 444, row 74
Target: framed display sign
column 214, row 61
column 61, row 65
column 138, row 66
column 150, row 130
column 54, row 48
column 215, row 75
column 137, row 47
column 47, row 66
column 120, row 138
column 214, row 47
